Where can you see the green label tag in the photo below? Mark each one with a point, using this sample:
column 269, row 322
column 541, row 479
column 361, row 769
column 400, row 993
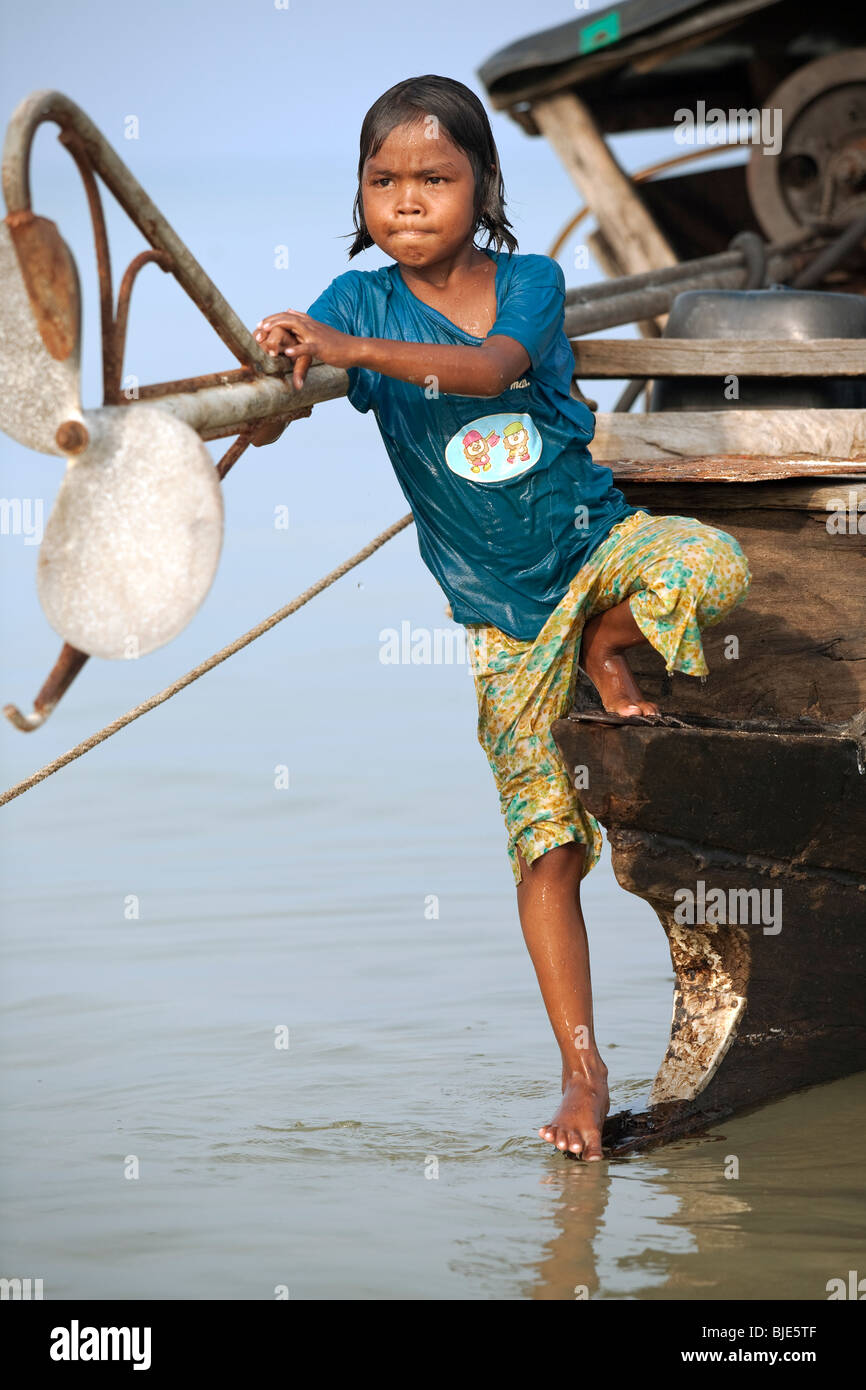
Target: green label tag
column 600, row 32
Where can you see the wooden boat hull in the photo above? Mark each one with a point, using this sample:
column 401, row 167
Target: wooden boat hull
column 766, row 830
column 751, row 811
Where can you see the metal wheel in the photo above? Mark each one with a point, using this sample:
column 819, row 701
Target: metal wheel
column 819, row 175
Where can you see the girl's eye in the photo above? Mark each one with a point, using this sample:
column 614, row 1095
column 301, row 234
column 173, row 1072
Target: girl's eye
column 431, row 178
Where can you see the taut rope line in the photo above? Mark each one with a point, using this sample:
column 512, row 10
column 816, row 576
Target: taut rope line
column 208, row 665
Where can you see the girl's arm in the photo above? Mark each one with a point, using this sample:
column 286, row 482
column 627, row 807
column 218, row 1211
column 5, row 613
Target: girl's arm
column 486, row 370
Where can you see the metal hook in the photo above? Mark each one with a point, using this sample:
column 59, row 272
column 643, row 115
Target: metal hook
column 63, row 673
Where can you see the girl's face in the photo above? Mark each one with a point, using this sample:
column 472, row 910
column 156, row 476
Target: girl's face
column 418, row 194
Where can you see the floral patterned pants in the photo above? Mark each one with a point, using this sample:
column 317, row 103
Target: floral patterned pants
column 679, row 575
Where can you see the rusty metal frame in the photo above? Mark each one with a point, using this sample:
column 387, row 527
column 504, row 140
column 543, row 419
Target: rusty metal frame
column 259, row 408
column 89, row 147
column 94, row 155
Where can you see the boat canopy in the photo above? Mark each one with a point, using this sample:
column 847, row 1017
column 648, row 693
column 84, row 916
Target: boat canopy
column 636, row 62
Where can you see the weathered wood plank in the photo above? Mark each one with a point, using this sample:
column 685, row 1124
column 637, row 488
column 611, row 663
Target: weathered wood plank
column 616, row 358
column 807, row 774
column 833, row 434
column 798, row 495
column 628, row 227
column 733, row 468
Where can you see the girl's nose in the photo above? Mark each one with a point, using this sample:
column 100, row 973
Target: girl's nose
column 408, row 200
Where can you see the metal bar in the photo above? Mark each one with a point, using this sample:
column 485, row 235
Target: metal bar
column 734, row 258
column 274, row 424
column 118, row 345
column 194, row 383
column 55, row 106
column 669, row 274
column 103, row 256
column 230, row 406
column 234, row 451
column 623, row 304
column 853, row 235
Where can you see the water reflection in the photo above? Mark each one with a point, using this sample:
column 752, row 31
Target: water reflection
column 746, row 1212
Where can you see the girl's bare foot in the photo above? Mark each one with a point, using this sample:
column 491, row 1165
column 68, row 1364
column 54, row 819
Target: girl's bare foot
column 605, row 639
column 548, row 899
column 578, row 1122
column 611, row 675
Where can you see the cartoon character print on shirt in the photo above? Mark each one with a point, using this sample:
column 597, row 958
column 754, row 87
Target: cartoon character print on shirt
column 475, row 448
column 516, row 438
column 494, row 448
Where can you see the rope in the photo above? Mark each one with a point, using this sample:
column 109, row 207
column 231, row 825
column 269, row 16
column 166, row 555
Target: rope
column 81, row 748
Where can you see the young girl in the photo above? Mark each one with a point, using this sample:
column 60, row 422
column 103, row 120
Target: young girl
column 460, row 351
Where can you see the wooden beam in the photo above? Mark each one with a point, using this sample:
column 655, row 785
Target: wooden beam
column 731, row 468
column 717, row 357
column 635, row 241
column 835, row 436
column 845, row 498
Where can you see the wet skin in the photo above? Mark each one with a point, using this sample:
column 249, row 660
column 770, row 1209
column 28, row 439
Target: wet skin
column 548, row 903
column 418, row 200
column 605, row 639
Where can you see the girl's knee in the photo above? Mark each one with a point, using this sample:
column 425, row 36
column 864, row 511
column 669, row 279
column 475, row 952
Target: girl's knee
column 558, row 865
column 734, row 567
column 726, row 581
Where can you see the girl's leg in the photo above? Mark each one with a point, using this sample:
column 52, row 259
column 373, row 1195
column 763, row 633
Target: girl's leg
column 519, row 697
column 605, row 638
column 548, row 903
column 672, row 577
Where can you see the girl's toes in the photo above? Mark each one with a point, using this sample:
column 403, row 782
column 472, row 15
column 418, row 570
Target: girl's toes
column 592, row 1151
column 562, row 1139
column 575, row 1142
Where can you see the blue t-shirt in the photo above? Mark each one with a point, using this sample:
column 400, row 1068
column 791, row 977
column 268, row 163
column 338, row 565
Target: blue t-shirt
column 507, row 501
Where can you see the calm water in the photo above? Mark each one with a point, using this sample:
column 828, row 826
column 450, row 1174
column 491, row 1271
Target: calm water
column 390, row 1150
column 167, row 908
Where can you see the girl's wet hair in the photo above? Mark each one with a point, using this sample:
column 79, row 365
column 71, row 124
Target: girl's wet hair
column 463, row 118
